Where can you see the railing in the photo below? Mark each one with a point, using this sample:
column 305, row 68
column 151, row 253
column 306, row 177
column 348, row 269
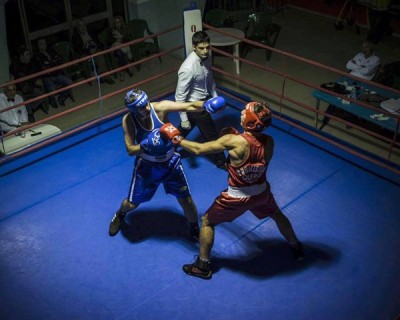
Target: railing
column 289, row 94
column 282, row 92
column 89, row 112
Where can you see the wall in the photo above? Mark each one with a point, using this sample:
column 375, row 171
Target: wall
column 333, row 8
column 162, row 15
column 4, row 61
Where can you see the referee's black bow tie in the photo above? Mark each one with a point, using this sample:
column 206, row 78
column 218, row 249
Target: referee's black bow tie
column 9, row 99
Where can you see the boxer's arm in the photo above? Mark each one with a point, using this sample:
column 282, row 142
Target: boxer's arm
column 166, row 106
column 211, row 105
column 235, row 144
column 230, row 142
column 130, row 136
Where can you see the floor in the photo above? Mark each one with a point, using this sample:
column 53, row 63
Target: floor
column 57, row 260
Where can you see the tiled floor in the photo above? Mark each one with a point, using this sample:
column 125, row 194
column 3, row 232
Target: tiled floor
column 303, row 34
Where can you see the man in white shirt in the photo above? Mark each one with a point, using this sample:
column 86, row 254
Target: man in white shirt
column 196, row 82
column 365, row 64
column 13, row 118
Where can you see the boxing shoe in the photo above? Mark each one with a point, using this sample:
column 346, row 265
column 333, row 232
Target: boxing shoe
column 298, row 251
column 116, row 223
column 200, row 268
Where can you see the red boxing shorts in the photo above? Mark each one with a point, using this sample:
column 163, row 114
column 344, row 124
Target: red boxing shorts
column 227, row 208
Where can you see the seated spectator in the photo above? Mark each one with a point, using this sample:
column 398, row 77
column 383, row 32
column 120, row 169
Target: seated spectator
column 23, row 66
column 120, row 35
column 365, row 64
column 46, row 58
column 84, row 43
column 387, row 74
column 13, row 118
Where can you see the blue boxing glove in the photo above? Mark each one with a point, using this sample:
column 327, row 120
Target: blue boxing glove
column 214, row 105
column 144, row 145
column 155, row 145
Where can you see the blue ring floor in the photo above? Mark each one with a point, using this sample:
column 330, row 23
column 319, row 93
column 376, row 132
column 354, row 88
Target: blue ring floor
column 57, row 260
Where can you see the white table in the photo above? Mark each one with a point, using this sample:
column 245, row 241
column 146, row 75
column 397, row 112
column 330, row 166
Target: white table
column 14, row 143
column 221, row 40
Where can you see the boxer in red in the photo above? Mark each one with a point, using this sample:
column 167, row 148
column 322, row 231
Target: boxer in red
column 249, row 154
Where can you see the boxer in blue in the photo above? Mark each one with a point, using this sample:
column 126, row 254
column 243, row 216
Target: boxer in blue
column 156, row 160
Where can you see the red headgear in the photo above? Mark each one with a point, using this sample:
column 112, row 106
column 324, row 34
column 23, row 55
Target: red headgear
column 256, row 121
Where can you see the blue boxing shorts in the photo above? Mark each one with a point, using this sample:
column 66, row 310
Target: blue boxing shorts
column 148, row 174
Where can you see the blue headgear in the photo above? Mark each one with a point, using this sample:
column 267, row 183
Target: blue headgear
column 134, row 100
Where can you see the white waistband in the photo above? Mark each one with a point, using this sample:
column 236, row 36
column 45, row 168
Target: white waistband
column 248, row 191
column 162, row 158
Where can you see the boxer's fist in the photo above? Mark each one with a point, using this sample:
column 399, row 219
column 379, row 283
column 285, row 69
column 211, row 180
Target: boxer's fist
column 214, row 104
column 154, row 144
column 170, row 132
column 144, row 145
column 228, row 130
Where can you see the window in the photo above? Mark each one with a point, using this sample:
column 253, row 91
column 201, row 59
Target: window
column 41, row 15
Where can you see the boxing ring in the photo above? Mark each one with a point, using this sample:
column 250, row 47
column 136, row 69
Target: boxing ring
column 58, row 196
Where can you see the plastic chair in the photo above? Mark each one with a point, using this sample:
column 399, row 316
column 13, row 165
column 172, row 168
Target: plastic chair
column 260, row 28
column 138, row 28
column 218, row 18
column 76, row 71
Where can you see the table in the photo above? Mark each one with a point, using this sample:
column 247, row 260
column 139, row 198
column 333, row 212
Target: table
column 381, row 120
column 14, row 143
column 221, row 40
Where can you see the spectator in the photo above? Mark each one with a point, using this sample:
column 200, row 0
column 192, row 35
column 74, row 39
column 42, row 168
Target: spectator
column 46, row 58
column 120, row 35
column 85, row 43
column 196, row 82
column 23, row 66
column 388, row 74
column 13, row 118
column 365, row 64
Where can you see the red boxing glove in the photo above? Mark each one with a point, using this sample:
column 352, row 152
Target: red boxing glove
column 228, row 130
column 170, row 132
